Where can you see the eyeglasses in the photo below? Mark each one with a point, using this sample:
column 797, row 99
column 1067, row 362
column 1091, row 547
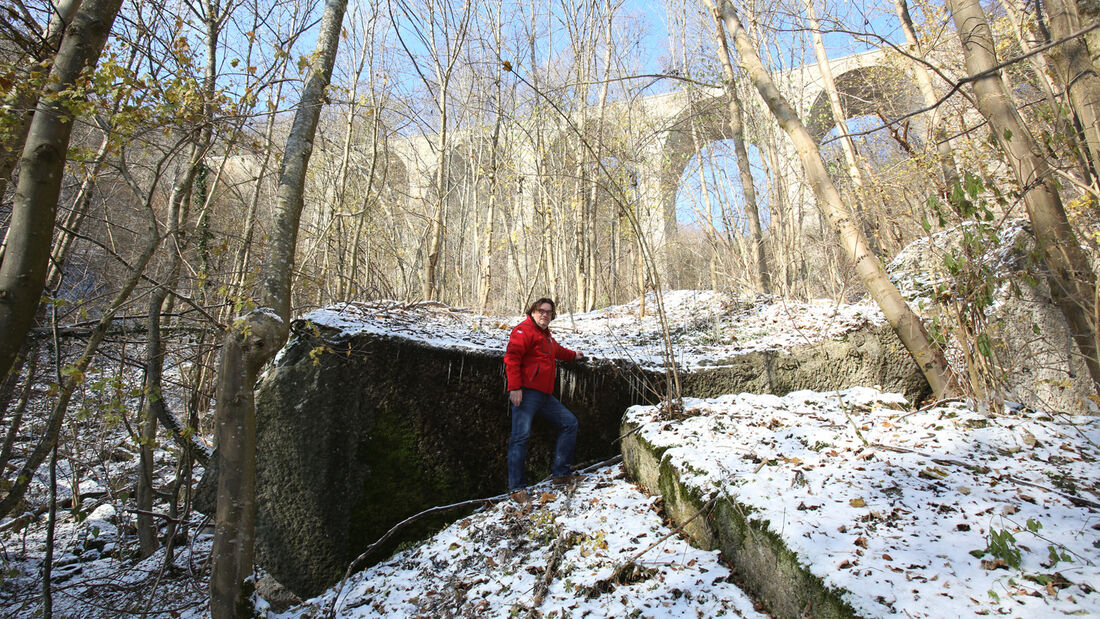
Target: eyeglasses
column 544, row 311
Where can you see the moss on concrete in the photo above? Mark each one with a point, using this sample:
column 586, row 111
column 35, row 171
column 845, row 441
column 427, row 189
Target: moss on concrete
column 767, row 569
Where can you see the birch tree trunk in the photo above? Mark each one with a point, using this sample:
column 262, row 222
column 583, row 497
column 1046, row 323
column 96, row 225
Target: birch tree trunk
column 906, row 324
column 1072, row 282
column 254, row 339
column 41, row 168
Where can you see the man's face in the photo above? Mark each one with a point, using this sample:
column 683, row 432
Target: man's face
column 543, row 315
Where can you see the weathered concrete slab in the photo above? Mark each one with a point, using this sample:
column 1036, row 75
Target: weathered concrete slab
column 766, row 568
column 358, row 430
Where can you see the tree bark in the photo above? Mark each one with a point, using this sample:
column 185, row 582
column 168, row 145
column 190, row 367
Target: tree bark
column 26, row 98
column 1089, row 13
column 23, row 269
column 906, row 324
column 1072, row 282
column 254, row 339
column 1077, row 74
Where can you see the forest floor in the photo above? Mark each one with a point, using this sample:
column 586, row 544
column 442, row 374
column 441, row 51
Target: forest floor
column 939, row 512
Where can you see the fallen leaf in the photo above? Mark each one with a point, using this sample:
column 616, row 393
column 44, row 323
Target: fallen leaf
column 857, row 502
column 1029, row 439
column 994, row 564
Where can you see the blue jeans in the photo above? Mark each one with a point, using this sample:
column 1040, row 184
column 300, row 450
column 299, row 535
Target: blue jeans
column 547, row 406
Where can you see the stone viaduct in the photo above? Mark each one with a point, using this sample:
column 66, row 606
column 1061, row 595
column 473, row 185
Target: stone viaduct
column 665, row 131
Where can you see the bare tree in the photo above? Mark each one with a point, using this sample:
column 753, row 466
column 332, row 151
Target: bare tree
column 737, row 129
column 906, row 324
column 254, row 339
column 928, row 95
column 1072, row 281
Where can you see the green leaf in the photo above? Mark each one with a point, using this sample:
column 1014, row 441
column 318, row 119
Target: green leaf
column 984, row 345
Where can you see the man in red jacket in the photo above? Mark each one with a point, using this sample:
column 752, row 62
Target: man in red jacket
column 530, row 365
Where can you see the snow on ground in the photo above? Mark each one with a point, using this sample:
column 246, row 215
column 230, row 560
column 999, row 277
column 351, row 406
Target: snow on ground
column 937, row 513
column 557, row 555
column 705, row 327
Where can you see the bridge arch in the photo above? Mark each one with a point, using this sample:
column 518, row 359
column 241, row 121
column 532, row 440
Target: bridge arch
column 877, row 89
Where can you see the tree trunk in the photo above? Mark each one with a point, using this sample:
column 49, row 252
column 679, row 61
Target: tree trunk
column 155, row 408
column 928, row 94
column 30, row 233
column 1064, row 121
column 748, row 189
column 1072, row 282
column 1088, row 11
column 26, row 99
column 839, row 117
column 254, row 339
column 1078, row 76
column 906, row 324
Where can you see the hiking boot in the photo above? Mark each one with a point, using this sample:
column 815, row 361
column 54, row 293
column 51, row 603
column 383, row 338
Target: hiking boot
column 569, row 479
column 520, row 496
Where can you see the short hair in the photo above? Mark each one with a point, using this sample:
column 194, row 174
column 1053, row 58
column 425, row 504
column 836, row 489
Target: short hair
column 553, row 307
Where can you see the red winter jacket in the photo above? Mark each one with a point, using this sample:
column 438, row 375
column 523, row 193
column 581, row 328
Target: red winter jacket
column 529, row 358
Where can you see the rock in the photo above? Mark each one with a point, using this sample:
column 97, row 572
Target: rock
column 1041, row 366
column 871, row 356
column 358, row 432
column 279, row 599
column 351, row 443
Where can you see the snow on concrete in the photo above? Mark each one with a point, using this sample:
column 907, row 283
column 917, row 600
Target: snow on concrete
column 938, row 513
column 705, row 327
column 555, row 555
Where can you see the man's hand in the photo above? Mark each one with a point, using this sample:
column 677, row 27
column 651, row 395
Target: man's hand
column 515, row 397
column 580, row 355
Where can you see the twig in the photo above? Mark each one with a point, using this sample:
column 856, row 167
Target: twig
column 164, row 517
column 543, row 585
column 331, row 611
column 621, row 569
column 939, row 403
column 587, row 468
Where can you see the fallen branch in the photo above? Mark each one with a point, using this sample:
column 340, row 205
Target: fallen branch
column 630, row 565
column 932, row 405
column 543, row 585
column 331, row 611
column 164, row 517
